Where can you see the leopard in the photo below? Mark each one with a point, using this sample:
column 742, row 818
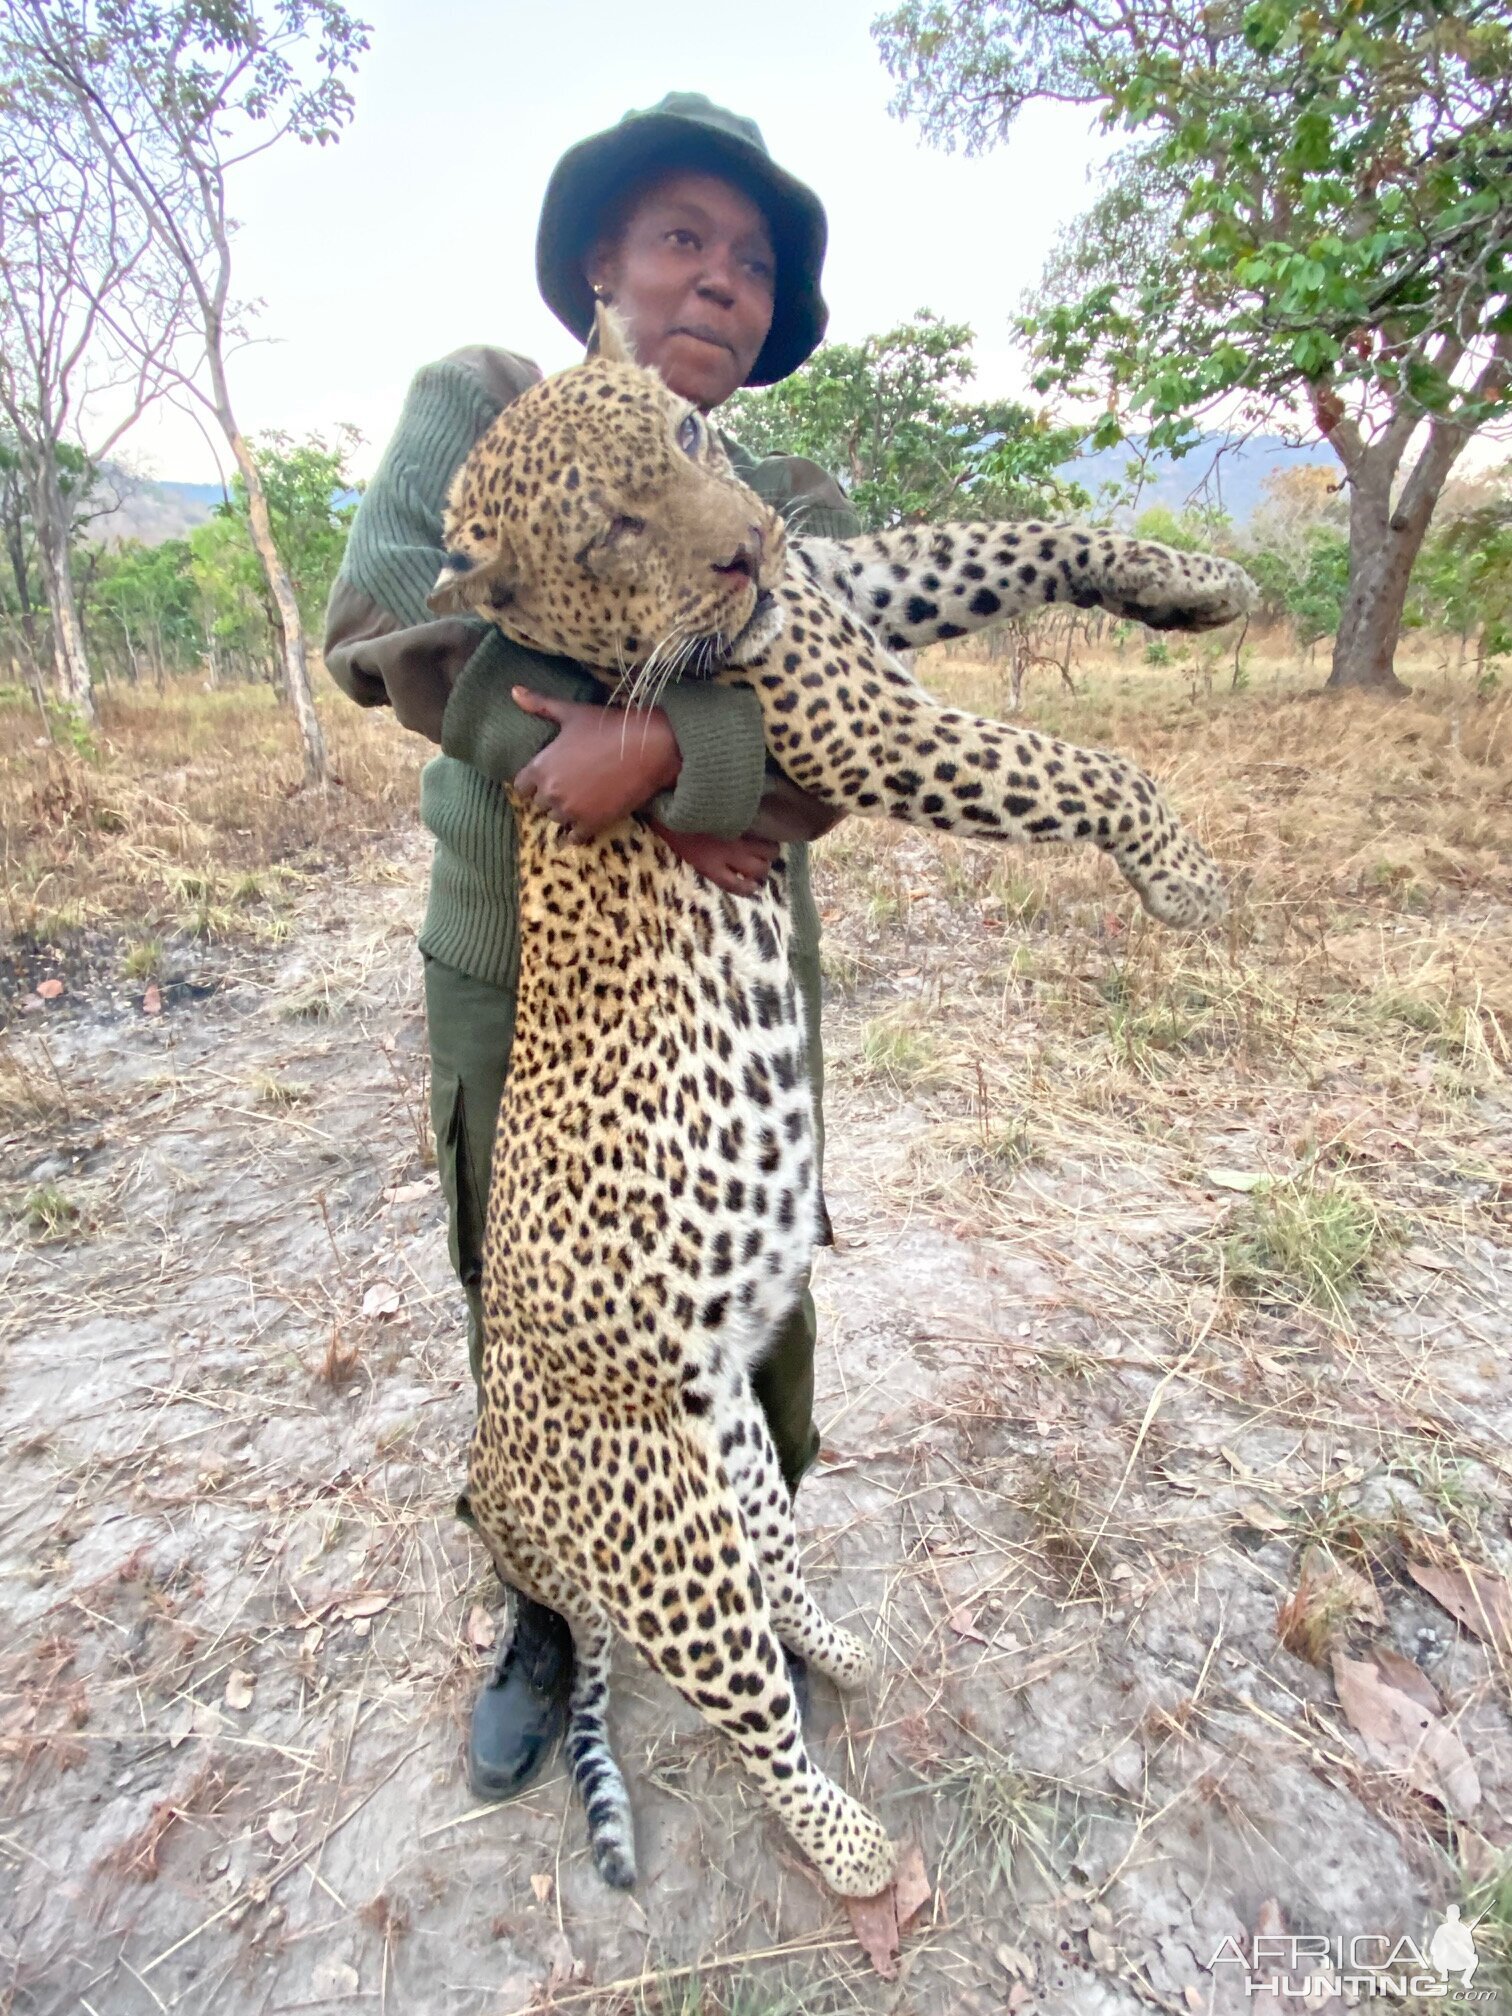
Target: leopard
column 654, row 1201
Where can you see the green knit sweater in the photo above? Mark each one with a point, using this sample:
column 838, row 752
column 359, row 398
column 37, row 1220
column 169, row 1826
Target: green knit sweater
column 452, row 679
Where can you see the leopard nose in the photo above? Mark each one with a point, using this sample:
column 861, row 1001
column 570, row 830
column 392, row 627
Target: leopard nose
column 746, row 559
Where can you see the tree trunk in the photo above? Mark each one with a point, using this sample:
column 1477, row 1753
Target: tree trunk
column 296, row 674
column 1380, row 566
column 1385, row 539
column 50, row 520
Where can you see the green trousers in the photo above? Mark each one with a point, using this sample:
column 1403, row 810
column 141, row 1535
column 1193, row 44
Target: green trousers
column 471, row 1027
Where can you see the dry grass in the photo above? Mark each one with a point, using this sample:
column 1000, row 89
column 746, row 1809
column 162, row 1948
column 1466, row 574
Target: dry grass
column 1121, row 1451
column 1366, row 966
column 184, row 817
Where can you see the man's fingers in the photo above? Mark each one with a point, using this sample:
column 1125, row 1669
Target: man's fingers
column 530, row 702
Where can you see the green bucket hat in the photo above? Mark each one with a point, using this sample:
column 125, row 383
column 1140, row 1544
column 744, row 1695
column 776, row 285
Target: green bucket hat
column 686, row 131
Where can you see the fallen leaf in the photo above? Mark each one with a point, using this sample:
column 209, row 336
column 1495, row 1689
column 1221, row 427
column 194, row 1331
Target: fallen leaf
column 207, row 1719
column 542, row 1886
column 382, row 1299
column 239, row 1685
column 1481, row 1601
column 1012, row 1961
column 1424, row 1256
column 49, row 990
column 152, row 999
column 1103, row 1950
column 874, row 1920
column 282, row 1826
column 330, row 1978
column 1264, row 1518
column 1406, row 1737
column 879, row 1922
column 1328, row 1596
column 1233, row 1179
column 481, row 1631
column 963, row 1623
column 563, row 1964
column 1194, row 1998
column 912, row 1886
column 410, row 1193
column 1408, row 1678
column 367, row 1605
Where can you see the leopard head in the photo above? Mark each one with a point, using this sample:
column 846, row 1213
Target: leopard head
column 598, row 519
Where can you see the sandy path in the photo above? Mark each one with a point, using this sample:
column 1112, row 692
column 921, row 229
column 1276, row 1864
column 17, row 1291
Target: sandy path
column 236, row 1660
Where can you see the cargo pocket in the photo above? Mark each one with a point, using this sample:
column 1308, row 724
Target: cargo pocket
column 464, row 1205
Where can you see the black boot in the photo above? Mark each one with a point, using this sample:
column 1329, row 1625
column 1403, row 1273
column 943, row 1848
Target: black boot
column 519, row 1717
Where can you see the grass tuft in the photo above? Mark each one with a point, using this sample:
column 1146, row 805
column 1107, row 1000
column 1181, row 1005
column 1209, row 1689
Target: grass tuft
column 50, row 1212
column 1306, row 1239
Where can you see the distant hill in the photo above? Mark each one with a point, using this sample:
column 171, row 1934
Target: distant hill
column 1227, row 472
column 1220, row 471
column 153, row 512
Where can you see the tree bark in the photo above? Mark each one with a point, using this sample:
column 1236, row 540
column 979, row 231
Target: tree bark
column 296, row 673
column 51, row 523
column 1380, row 567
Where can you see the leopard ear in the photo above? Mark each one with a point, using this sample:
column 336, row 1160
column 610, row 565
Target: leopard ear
column 466, row 587
column 611, row 338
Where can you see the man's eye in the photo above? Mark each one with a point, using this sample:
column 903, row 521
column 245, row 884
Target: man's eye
column 760, row 269
column 682, row 236
column 690, row 434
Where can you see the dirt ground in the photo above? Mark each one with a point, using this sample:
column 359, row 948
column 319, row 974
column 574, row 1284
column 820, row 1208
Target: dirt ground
column 1124, row 1507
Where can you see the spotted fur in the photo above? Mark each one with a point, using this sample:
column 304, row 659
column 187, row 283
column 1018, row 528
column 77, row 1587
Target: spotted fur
column 655, row 1198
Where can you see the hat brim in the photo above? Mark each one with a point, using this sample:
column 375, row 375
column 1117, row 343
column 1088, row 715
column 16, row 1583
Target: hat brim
column 590, row 175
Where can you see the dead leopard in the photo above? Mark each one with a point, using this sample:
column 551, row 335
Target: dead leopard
column 654, row 1197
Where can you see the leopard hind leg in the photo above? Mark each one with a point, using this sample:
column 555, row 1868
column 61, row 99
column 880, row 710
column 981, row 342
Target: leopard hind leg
column 751, row 1463
column 596, row 1775
column 700, row 1617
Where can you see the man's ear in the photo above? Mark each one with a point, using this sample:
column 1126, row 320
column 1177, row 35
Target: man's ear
column 465, row 588
column 611, row 338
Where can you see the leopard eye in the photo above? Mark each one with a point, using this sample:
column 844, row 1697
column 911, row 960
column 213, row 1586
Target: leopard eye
column 690, row 434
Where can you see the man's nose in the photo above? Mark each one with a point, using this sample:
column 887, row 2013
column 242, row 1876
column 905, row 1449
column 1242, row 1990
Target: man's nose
column 717, row 281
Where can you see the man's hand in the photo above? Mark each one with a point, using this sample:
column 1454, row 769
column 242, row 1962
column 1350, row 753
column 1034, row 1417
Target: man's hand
column 604, row 763
column 737, row 865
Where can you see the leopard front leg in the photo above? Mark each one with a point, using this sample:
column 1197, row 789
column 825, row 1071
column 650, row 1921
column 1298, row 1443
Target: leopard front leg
column 918, row 584
column 850, row 726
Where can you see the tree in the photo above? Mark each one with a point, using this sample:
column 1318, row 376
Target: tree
column 176, row 97
column 1464, row 581
column 311, row 506
column 1326, row 193
column 138, row 604
column 86, row 308
column 890, row 417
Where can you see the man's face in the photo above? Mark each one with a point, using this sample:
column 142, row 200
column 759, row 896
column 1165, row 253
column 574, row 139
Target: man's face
column 693, row 276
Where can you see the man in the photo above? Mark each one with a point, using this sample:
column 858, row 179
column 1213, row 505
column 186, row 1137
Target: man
column 712, row 256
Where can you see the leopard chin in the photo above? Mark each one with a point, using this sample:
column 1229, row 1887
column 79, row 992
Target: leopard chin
column 761, row 629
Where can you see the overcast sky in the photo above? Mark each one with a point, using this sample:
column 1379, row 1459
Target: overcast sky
column 415, row 234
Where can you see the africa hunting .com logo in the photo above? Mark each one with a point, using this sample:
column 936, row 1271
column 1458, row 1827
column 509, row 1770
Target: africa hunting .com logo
column 1315, row 1966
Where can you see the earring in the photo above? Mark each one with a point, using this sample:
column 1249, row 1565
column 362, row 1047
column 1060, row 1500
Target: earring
column 601, row 292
